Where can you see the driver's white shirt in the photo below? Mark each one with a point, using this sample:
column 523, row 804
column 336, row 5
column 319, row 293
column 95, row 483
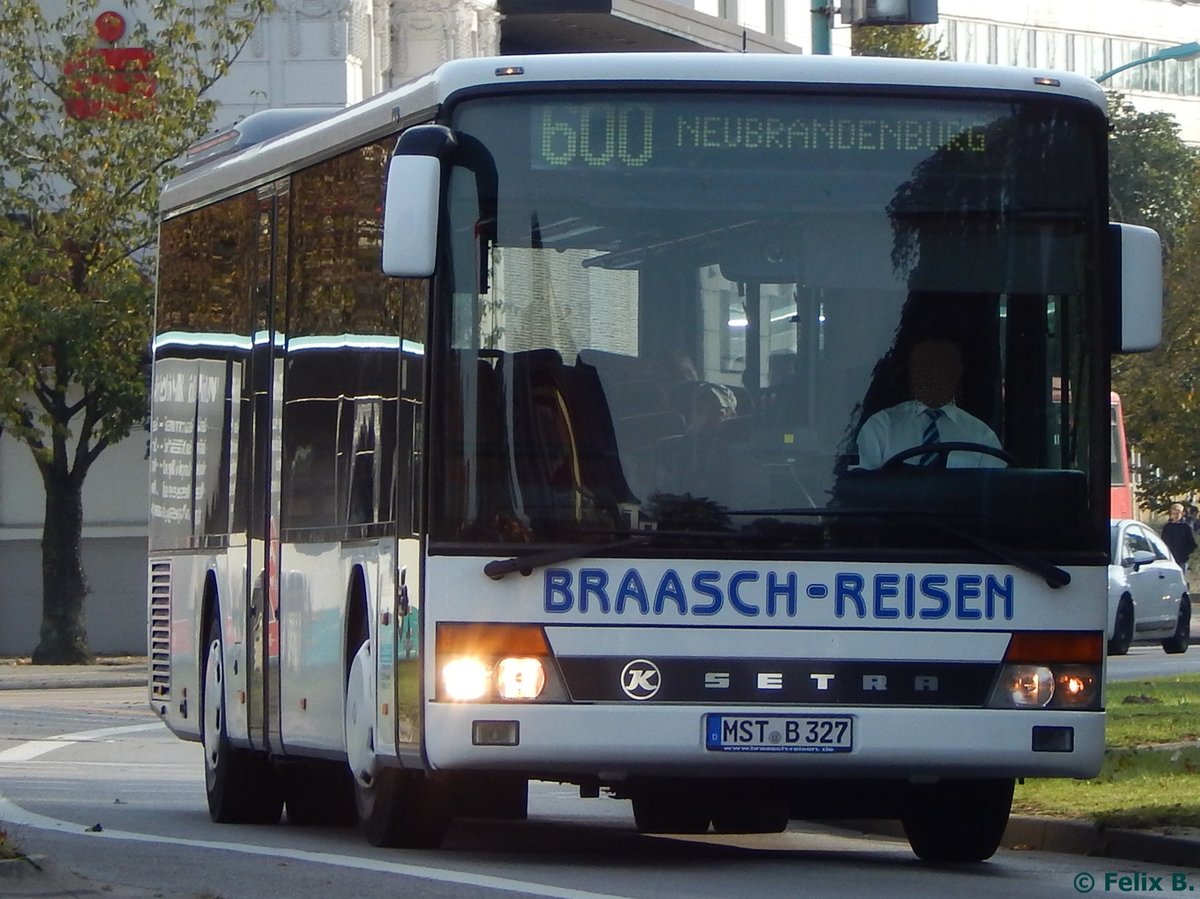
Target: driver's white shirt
column 902, row 426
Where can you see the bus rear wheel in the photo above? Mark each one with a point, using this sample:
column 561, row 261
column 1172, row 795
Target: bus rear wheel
column 395, row 808
column 958, row 820
column 242, row 786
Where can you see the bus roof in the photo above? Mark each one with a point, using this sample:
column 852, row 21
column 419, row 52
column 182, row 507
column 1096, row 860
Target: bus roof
column 419, row 99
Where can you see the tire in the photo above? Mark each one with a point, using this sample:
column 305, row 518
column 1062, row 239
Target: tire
column 1178, row 642
column 1122, row 628
column 659, row 809
column 732, row 815
column 395, row 808
column 957, row 820
column 242, row 786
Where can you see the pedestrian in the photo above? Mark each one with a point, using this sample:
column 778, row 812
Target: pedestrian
column 1179, row 537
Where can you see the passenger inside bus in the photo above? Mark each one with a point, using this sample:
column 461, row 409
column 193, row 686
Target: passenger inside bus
column 931, row 417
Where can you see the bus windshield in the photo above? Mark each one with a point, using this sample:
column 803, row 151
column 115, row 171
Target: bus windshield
column 708, row 315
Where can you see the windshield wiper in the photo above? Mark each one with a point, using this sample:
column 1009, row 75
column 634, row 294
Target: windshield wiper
column 498, row 568
column 1054, row 576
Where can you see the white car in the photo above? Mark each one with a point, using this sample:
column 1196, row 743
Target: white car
column 1147, row 591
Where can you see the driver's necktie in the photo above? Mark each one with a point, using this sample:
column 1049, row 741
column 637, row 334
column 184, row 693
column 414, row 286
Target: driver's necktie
column 931, row 436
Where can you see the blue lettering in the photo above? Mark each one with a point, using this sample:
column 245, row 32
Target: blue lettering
column 887, row 586
column 592, row 582
column 670, row 588
column 971, row 597
column 933, row 587
column 967, row 587
column 633, row 588
column 999, row 588
column 705, row 582
column 787, row 589
column 848, row 587
column 735, row 600
column 558, row 590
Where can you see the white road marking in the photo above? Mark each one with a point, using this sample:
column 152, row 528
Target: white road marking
column 23, row 752
column 12, row 813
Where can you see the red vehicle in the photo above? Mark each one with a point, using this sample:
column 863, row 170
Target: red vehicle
column 1121, row 503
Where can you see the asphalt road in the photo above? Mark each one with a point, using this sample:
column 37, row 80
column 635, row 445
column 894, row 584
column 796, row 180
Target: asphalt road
column 74, row 759
column 1148, row 661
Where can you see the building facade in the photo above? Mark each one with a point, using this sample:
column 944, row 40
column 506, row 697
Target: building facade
column 337, row 52
column 1080, row 36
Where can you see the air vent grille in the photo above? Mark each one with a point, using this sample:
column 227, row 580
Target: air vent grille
column 160, row 629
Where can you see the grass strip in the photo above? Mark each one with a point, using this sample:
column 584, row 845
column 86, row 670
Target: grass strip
column 1151, row 772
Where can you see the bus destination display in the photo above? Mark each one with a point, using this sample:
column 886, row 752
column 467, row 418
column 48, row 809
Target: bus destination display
column 644, row 135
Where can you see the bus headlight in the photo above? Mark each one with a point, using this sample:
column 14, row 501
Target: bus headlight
column 1047, row 686
column 520, row 678
column 486, row 662
column 465, row 679
column 1027, row 686
column 1077, row 687
column 1051, row 670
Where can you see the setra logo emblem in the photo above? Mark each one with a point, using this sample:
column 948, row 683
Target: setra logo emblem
column 640, row 679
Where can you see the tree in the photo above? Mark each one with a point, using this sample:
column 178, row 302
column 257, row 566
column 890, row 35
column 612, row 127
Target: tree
column 907, row 41
column 1161, row 389
column 1155, row 181
column 1152, row 172
column 88, row 134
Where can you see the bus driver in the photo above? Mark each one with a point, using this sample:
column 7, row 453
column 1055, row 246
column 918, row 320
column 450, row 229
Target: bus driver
column 931, row 417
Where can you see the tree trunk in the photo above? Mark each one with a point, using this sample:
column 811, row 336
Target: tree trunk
column 63, row 633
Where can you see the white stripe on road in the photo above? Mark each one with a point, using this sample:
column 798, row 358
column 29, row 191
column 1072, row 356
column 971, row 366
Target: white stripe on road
column 23, row 752
column 12, row 813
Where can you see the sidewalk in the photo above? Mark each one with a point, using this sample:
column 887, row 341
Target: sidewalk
column 1169, row 847
column 109, row 671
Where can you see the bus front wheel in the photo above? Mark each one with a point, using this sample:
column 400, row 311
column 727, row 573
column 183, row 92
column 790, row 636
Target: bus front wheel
column 396, row 808
column 958, row 820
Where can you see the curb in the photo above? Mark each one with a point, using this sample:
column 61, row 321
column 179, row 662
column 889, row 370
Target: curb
column 69, row 677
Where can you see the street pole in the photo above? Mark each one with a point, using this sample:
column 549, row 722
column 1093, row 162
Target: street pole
column 1190, row 50
column 822, row 13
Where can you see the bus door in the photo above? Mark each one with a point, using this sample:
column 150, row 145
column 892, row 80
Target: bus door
column 263, row 599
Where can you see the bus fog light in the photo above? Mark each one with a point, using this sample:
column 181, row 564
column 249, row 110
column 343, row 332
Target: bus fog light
column 1025, row 686
column 1053, row 739
column 495, row 733
column 465, row 679
column 520, row 678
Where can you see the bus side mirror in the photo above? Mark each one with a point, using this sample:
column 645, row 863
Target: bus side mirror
column 412, row 201
column 1141, row 286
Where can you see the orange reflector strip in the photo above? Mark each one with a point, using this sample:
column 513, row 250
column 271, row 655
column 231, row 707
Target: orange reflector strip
column 491, row 640
column 1056, row 646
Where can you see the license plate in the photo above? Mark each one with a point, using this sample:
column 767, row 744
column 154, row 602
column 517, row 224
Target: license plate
column 779, row 733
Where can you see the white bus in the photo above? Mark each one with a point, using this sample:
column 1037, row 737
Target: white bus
column 505, row 427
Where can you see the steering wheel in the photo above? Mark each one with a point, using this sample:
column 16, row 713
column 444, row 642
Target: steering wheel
column 943, row 451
